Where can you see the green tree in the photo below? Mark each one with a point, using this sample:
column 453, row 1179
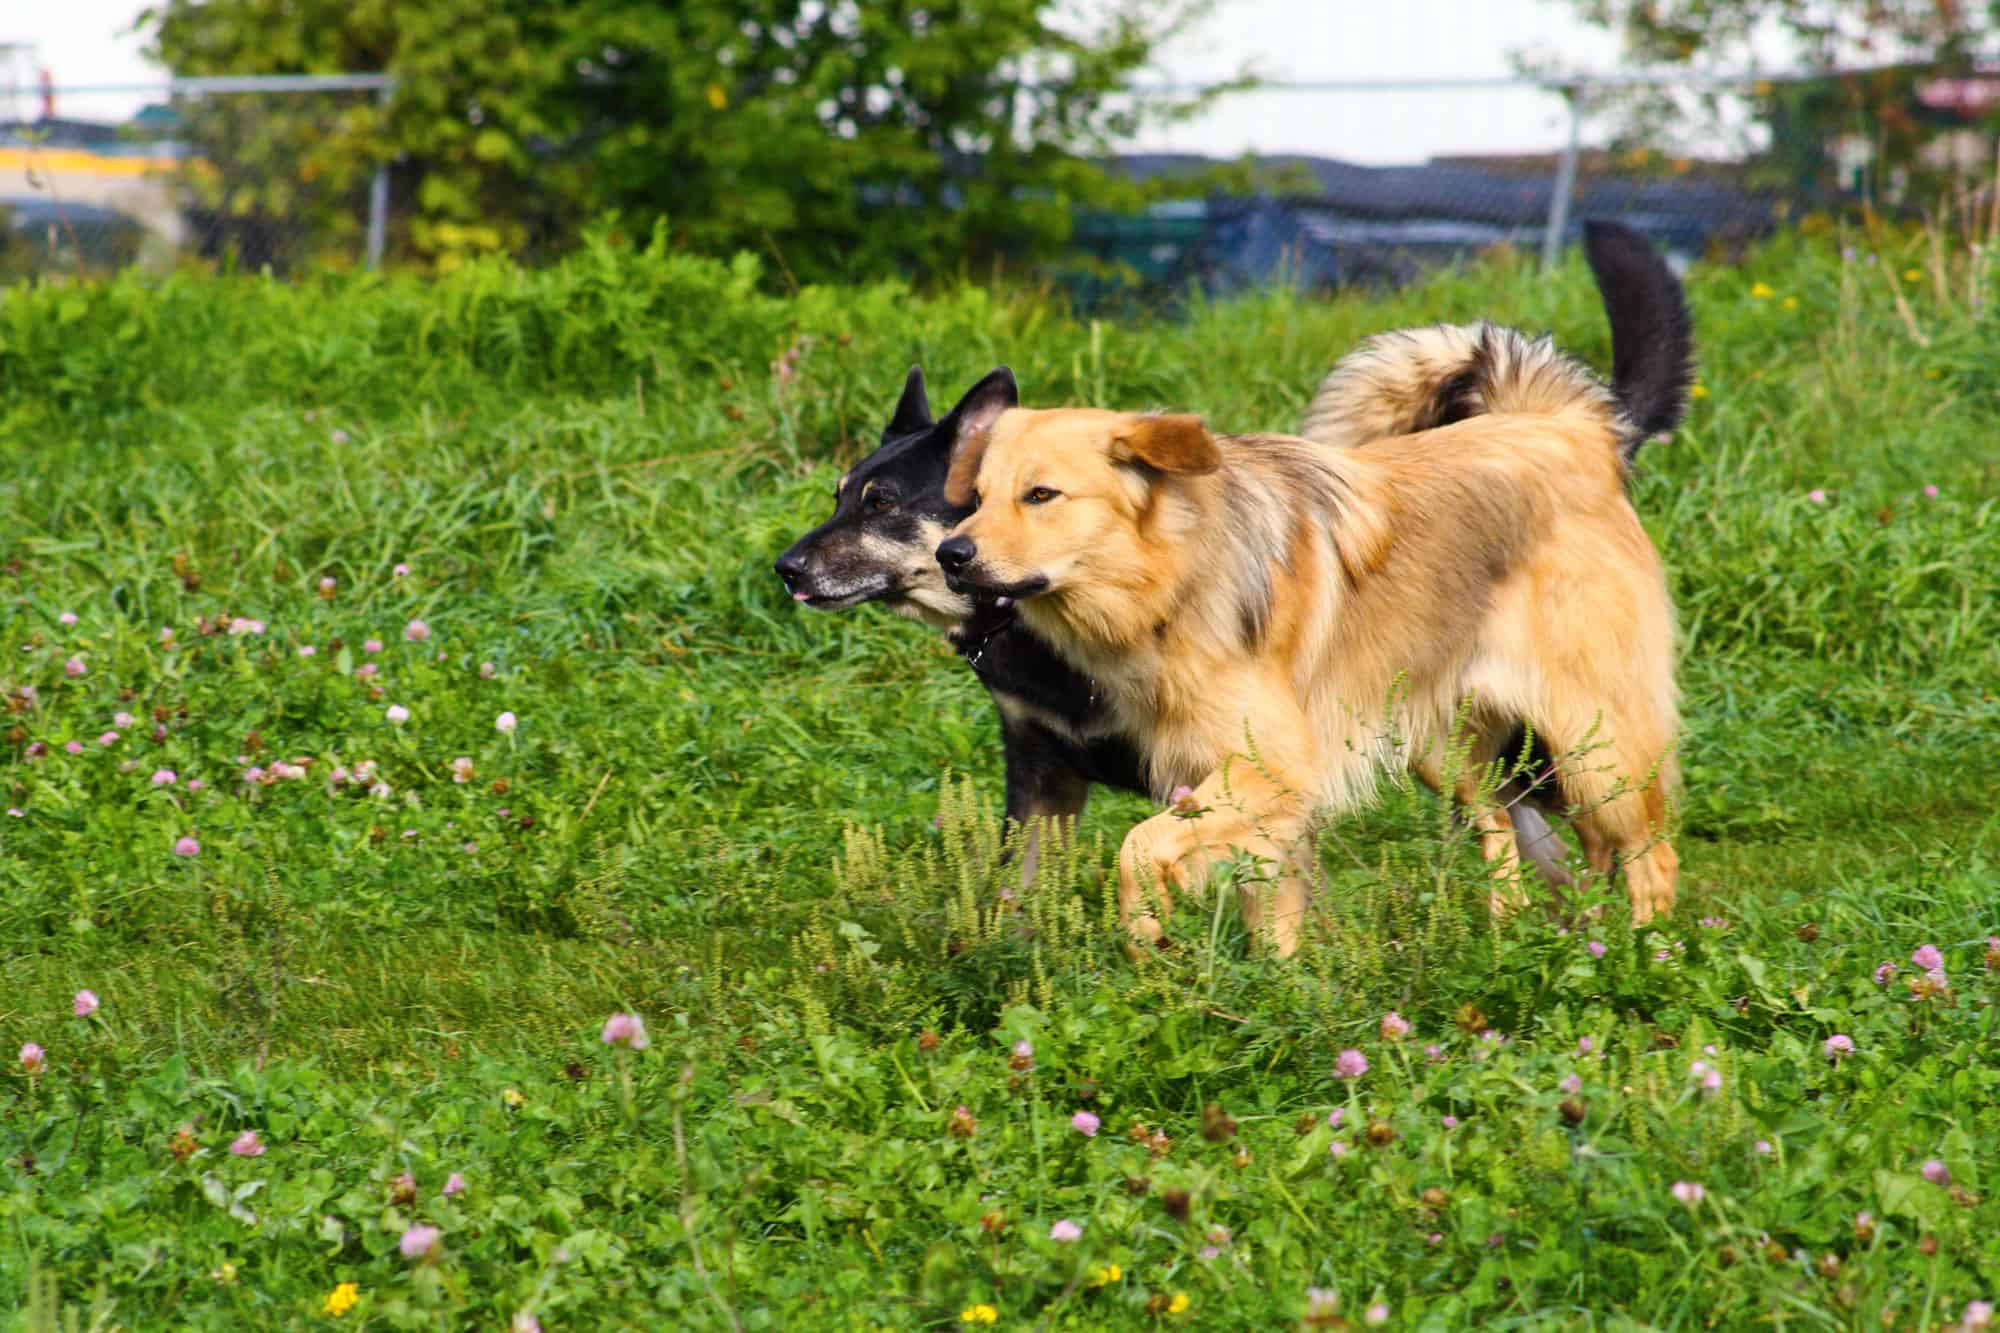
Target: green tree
column 1864, row 61
column 834, row 138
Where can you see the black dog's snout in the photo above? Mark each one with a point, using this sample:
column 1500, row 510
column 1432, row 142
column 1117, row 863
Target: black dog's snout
column 955, row 553
column 791, row 567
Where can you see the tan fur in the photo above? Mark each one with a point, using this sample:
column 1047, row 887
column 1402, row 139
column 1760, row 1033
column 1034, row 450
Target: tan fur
column 1277, row 629
column 1389, row 384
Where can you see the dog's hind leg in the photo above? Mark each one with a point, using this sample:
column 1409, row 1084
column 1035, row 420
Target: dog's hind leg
column 1509, row 829
column 1538, row 842
column 1618, row 803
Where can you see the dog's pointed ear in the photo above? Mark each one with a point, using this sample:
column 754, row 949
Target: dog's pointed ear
column 970, row 420
column 974, row 414
column 913, row 409
column 1172, row 443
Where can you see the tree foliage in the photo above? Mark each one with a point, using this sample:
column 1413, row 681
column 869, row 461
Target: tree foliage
column 834, row 137
column 1864, row 62
column 1821, row 34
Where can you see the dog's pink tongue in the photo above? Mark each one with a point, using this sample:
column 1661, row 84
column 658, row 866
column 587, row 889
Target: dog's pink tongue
column 1003, row 602
column 802, row 597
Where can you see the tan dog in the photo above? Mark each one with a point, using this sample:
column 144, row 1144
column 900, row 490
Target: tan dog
column 1274, row 620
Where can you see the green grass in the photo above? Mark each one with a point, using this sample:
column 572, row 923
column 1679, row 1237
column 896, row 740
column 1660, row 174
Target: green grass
column 718, row 811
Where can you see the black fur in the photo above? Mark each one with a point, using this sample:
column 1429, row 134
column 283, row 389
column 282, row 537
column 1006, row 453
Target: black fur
column 1050, row 768
column 1458, row 397
column 1652, row 333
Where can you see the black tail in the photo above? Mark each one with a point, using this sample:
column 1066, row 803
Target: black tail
column 1652, row 334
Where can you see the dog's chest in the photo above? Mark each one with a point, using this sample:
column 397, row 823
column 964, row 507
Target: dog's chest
column 1026, row 677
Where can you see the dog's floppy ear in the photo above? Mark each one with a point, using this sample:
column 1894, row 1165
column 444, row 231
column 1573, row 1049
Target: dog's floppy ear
column 913, row 409
column 1174, row 443
column 970, row 421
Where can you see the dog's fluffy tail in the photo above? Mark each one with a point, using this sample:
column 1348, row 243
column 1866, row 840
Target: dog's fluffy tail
column 1419, row 379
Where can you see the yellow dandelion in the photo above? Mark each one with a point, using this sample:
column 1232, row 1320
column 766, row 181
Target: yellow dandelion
column 1913, row 275
column 982, row 1313
column 341, row 1299
column 513, row 1099
column 1697, row 390
column 1760, row 292
column 1178, row 1304
column 1790, row 303
column 717, row 98
column 1106, row 1275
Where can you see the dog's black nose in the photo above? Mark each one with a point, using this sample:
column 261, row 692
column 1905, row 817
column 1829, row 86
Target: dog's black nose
column 791, row 567
column 955, row 553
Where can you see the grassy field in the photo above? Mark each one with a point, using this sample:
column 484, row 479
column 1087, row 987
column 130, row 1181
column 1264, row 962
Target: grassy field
column 278, row 563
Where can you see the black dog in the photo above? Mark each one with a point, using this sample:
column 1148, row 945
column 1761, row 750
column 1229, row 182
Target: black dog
column 889, row 516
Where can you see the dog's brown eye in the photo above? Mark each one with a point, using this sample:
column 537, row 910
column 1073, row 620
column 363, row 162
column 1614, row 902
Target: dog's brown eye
column 879, row 502
column 1040, row 495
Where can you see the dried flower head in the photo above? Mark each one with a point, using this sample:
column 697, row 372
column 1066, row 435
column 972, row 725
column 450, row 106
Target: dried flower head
column 1216, row 1125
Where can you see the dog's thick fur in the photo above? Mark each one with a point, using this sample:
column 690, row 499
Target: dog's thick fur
column 1273, row 619
column 889, row 515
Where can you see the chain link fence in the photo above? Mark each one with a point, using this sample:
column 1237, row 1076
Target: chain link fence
column 291, row 172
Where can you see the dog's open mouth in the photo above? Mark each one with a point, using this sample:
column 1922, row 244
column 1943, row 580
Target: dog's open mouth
column 841, row 599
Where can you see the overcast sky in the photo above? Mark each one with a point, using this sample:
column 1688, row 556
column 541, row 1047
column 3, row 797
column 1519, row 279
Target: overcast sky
column 89, row 42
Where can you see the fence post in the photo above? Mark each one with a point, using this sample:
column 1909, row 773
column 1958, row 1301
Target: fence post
column 1552, row 239
column 378, row 197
